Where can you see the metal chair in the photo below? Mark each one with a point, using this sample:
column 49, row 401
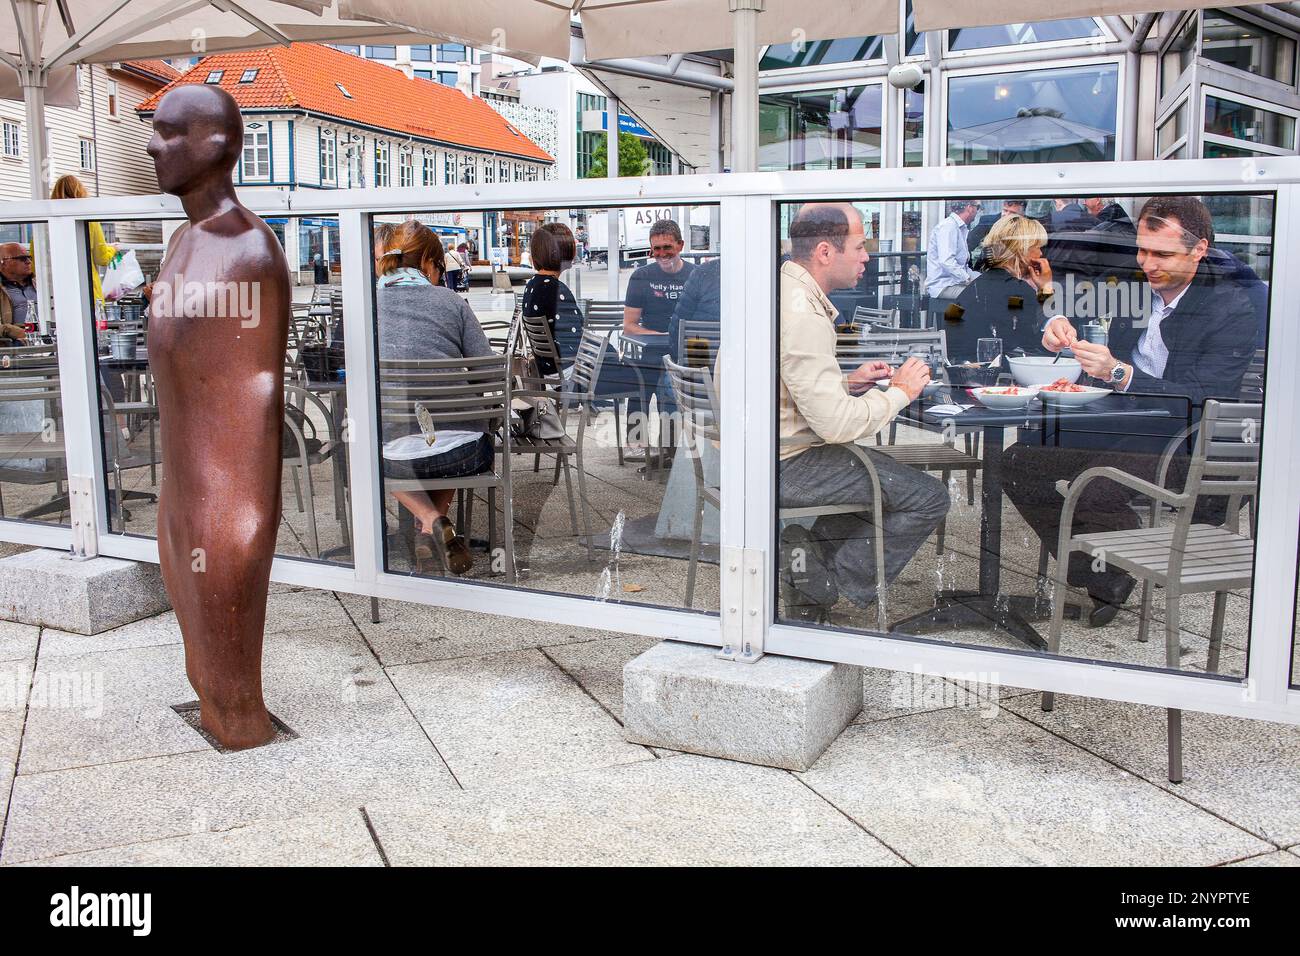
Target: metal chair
column 868, row 315
column 578, row 392
column 1182, row 557
column 455, row 390
column 310, row 451
column 35, row 385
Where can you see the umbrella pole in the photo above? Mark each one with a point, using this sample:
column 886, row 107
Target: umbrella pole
column 744, row 95
column 32, row 76
column 615, row 245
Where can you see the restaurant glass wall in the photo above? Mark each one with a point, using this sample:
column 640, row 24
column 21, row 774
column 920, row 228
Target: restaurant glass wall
column 836, row 128
column 1063, row 114
column 972, row 486
column 315, row 520
column 606, row 482
column 1018, row 34
column 1238, row 42
column 33, row 454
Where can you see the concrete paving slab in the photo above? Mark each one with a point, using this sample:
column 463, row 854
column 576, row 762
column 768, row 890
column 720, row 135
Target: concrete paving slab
column 511, row 715
column 1277, row 858
column 954, row 788
column 322, row 839
column 17, row 641
column 598, row 666
column 148, row 632
column 413, row 633
column 1247, row 771
column 685, row 811
column 91, row 808
column 15, row 679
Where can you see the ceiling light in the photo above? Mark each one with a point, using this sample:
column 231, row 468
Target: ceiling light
column 654, row 100
column 643, row 87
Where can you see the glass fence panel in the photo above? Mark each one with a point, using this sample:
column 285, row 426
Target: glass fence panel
column 1295, row 632
column 33, row 453
column 600, row 476
column 943, row 414
column 316, row 518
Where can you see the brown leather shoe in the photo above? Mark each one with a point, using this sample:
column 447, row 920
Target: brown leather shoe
column 455, row 547
column 429, row 557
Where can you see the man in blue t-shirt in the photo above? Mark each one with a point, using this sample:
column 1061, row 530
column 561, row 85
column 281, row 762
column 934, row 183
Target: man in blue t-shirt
column 654, row 289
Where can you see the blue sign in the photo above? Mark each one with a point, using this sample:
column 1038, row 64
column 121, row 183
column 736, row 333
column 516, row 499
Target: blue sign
column 626, row 124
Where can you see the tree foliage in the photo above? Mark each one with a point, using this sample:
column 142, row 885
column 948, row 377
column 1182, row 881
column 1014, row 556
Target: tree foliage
column 633, row 160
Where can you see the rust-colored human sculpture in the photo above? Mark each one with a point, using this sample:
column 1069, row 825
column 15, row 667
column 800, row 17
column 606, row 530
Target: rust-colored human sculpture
column 219, row 317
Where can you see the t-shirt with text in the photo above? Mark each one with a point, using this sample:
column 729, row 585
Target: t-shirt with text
column 656, row 292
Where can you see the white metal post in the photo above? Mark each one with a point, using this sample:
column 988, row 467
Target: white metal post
column 356, row 276
column 744, row 96
column 615, row 242
column 79, row 383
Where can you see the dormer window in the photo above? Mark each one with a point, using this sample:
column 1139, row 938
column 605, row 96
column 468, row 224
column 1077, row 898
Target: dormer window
column 215, row 76
column 248, row 76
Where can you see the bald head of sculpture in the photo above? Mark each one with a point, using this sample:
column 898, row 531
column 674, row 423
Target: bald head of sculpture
column 197, row 137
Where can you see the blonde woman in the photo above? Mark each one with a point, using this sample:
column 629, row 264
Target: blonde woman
column 1005, row 301
column 101, row 253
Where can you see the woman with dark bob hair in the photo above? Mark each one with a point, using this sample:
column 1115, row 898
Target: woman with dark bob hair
column 552, row 249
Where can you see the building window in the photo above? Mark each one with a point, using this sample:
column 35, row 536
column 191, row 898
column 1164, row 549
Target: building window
column 421, row 53
column 113, row 100
column 214, row 76
column 447, row 77
column 384, row 51
column 1034, row 116
column 328, row 158
column 519, row 172
column 248, row 76
column 352, row 48
column 836, row 128
column 12, row 141
column 1015, row 34
column 1171, row 135
column 1242, row 45
column 469, row 170
column 429, row 174
column 405, row 169
column 1178, row 55
column 451, row 53
column 1248, row 124
column 489, row 171
column 503, row 171
column 424, row 74
column 344, row 90
column 87, row 154
column 789, row 56
column 381, row 164
column 913, row 128
column 256, row 161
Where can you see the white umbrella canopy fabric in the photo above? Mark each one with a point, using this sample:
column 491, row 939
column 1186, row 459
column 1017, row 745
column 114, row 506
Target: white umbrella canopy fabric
column 944, row 14
column 612, row 29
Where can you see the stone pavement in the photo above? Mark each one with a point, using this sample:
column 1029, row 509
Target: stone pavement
column 444, row 737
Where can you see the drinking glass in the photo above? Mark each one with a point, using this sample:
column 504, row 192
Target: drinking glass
column 986, row 350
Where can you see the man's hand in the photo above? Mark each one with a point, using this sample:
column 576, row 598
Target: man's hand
column 912, row 377
column 1059, row 334
column 1096, row 359
column 862, row 378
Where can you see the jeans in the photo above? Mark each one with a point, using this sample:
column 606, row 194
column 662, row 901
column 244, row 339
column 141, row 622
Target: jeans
column 913, row 503
column 472, row 458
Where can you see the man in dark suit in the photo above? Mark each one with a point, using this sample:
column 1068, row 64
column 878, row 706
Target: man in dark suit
column 1194, row 341
column 1105, row 251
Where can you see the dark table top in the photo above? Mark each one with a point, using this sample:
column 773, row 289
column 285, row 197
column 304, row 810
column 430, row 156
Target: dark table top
column 1112, row 406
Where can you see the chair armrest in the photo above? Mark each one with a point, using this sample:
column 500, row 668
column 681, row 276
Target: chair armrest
column 1120, row 477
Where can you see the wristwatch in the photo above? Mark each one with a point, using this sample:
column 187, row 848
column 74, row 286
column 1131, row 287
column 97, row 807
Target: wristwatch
column 1119, row 373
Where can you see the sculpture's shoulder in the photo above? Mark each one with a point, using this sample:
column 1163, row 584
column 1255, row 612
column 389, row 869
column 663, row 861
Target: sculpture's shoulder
column 252, row 249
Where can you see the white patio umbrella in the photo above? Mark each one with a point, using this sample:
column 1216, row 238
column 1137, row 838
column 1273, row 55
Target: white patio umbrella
column 944, row 14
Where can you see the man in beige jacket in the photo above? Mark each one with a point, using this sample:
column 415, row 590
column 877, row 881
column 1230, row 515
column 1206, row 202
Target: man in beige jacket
column 821, row 412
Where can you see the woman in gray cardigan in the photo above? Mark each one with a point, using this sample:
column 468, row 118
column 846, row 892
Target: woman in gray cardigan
column 419, row 318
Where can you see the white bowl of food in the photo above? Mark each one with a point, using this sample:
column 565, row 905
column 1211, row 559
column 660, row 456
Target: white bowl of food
column 1043, row 369
column 1007, row 397
column 1063, row 393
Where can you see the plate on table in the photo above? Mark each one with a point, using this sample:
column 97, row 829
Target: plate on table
column 932, row 387
column 1069, row 395
column 1009, row 397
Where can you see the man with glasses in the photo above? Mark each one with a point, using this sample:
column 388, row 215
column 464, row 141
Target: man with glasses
column 19, row 300
column 947, row 257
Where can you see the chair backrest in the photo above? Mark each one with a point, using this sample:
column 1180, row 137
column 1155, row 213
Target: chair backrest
column 588, row 360
column 30, row 385
column 1224, row 463
column 698, row 342
column 29, row 356
column 894, row 347
column 450, row 390
column 697, row 403
column 603, row 315
column 541, row 342
column 868, row 315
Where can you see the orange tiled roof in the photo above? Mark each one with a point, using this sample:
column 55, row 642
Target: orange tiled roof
column 307, row 76
column 159, row 68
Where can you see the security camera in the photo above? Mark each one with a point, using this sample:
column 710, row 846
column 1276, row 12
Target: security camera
column 906, row 76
